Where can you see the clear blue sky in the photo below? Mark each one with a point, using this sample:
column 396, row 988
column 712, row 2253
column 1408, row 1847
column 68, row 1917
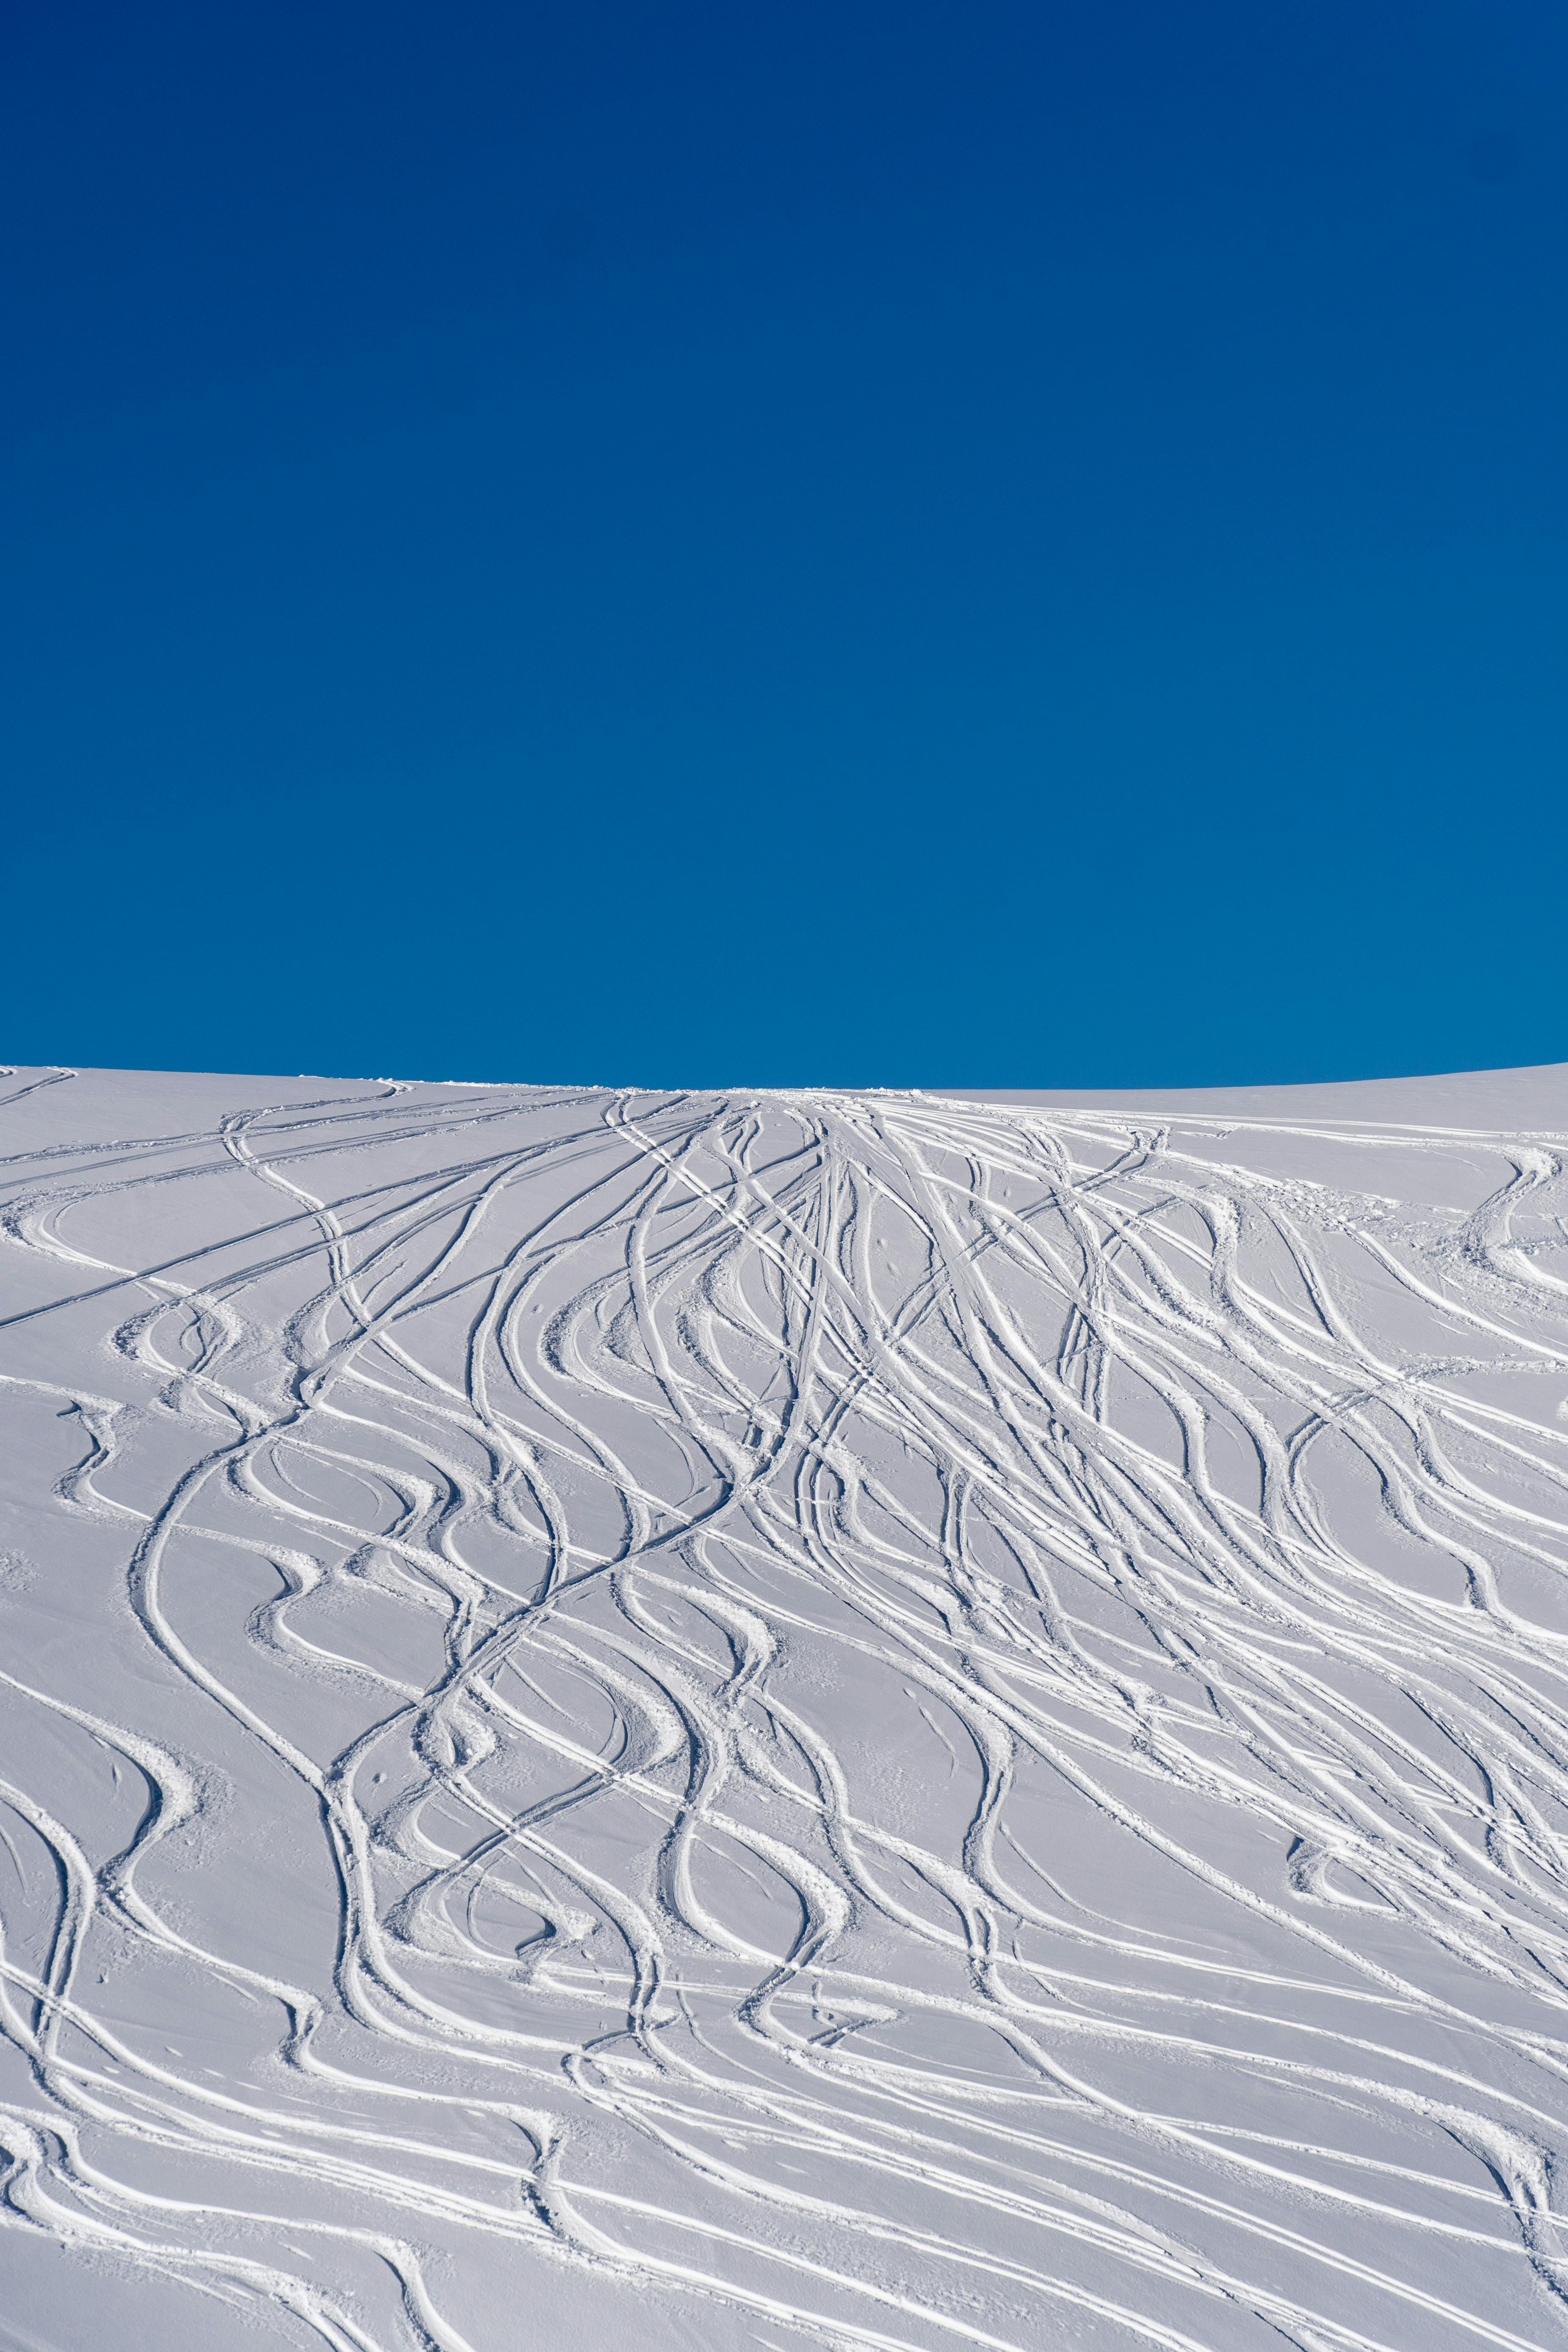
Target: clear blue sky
column 983, row 544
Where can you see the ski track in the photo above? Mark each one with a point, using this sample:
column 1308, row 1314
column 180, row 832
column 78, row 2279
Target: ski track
column 782, row 1718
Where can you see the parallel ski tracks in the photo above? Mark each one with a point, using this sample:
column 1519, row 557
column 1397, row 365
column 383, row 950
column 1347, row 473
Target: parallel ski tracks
column 916, row 1722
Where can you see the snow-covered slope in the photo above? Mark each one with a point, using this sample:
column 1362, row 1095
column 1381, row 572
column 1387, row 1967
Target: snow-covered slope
column 725, row 1720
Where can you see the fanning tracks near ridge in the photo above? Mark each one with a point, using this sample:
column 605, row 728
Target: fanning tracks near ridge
column 889, row 1722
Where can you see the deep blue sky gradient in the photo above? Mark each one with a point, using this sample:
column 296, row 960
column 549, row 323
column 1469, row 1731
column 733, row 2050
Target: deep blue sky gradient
column 1000, row 544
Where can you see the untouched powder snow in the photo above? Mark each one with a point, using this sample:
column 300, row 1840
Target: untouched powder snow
column 653, row 1720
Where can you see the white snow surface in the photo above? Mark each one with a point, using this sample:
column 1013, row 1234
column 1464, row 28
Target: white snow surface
column 708, row 1720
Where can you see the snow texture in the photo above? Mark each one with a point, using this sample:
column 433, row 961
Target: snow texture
column 871, row 1720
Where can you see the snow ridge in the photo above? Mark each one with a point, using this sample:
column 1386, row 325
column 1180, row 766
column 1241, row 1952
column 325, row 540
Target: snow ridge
column 750, row 1718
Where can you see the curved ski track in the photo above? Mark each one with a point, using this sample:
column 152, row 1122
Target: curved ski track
column 729, row 1719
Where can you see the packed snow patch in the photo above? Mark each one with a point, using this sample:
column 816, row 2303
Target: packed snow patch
column 878, row 1720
